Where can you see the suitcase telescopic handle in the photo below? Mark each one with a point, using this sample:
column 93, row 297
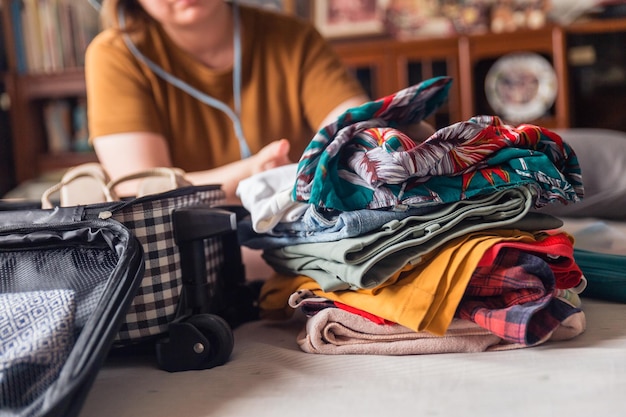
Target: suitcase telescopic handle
column 192, row 225
column 199, row 222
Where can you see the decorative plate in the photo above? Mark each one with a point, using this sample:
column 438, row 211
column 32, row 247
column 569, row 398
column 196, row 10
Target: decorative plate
column 521, row 87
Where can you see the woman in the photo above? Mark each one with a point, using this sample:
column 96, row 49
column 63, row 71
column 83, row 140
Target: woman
column 272, row 72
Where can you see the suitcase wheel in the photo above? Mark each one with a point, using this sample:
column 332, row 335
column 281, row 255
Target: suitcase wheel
column 202, row 341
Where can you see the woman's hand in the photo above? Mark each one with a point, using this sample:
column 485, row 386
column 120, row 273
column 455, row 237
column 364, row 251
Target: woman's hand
column 271, row 156
column 124, row 153
column 274, row 155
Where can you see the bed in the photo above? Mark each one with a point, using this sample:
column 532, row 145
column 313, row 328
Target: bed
column 269, row 375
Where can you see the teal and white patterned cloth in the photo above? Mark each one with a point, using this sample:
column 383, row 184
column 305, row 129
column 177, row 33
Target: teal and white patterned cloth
column 363, row 160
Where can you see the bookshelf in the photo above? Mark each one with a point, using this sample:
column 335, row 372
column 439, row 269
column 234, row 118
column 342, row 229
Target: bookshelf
column 383, row 65
column 39, row 72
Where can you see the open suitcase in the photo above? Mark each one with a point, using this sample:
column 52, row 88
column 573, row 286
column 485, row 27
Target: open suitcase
column 92, row 260
column 64, row 289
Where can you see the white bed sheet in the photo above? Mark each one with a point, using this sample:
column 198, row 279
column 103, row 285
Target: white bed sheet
column 268, row 375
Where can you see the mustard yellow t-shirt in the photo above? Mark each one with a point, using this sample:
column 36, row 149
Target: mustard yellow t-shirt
column 421, row 297
column 291, row 79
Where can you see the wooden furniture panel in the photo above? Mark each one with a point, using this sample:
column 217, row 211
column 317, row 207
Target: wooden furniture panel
column 418, row 61
column 7, row 170
column 386, row 66
column 486, row 49
column 596, row 67
column 28, row 94
column 372, row 62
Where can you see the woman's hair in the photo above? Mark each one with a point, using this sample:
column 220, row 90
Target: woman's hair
column 134, row 15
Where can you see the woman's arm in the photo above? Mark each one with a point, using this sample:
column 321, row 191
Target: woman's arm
column 337, row 111
column 124, row 153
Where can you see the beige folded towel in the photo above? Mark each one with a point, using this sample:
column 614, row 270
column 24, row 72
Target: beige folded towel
column 333, row 331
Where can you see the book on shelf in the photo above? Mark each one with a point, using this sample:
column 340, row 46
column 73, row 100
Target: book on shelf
column 57, row 115
column 52, row 35
column 32, row 35
column 80, row 138
column 65, row 122
column 85, row 26
column 16, row 12
column 66, row 37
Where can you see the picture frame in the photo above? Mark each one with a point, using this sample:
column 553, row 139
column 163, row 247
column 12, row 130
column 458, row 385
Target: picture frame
column 420, row 18
column 341, row 18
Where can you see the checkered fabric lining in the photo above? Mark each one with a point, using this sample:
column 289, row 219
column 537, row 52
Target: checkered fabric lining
column 155, row 303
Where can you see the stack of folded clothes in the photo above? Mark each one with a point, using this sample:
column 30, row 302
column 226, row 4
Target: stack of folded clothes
column 389, row 245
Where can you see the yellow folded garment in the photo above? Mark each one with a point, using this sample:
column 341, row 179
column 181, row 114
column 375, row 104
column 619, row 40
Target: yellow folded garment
column 422, row 297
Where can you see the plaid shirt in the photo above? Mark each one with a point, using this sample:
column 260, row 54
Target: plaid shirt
column 514, row 298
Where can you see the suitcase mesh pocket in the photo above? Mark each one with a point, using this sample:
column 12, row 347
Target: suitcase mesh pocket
column 47, row 296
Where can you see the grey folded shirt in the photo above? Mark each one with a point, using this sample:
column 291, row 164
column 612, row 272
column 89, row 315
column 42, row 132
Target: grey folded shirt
column 368, row 260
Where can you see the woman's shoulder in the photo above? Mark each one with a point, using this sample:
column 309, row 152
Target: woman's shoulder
column 110, row 43
column 107, row 40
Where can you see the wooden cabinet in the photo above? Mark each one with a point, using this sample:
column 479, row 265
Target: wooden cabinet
column 597, row 74
column 385, row 66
